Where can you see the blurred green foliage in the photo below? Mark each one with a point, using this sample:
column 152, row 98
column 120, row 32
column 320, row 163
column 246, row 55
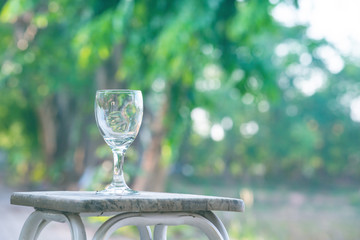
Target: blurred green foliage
column 221, row 81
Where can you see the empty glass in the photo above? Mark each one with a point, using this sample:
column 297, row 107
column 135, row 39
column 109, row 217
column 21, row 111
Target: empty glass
column 118, row 114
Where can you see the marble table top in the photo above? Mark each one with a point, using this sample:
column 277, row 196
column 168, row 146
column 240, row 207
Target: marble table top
column 92, row 202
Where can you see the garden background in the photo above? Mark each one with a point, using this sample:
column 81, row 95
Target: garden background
column 249, row 98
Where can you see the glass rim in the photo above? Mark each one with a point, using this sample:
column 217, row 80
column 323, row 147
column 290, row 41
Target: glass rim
column 117, row 91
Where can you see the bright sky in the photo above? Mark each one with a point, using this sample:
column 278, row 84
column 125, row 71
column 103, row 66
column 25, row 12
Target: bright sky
column 335, row 20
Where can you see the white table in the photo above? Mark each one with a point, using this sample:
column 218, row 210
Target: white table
column 142, row 210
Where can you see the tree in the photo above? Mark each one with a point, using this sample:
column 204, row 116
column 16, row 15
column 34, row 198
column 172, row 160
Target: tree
column 213, row 58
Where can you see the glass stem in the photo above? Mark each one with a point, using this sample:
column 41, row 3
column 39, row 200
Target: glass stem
column 118, row 177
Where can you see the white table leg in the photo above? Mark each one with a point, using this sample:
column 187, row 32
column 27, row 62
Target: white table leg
column 217, row 223
column 211, row 227
column 145, row 232
column 37, row 221
column 121, row 220
column 32, row 226
column 160, row 232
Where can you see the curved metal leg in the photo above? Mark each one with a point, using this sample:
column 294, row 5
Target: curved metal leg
column 145, row 232
column 77, row 227
column 32, row 226
column 42, row 225
column 160, row 232
column 217, row 223
column 146, row 219
column 37, row 221
column 121, row 220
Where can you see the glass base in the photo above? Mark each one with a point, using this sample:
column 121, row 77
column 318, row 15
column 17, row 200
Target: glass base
column 113, row 190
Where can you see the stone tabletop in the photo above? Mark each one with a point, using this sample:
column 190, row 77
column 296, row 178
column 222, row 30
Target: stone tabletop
column 93, row 202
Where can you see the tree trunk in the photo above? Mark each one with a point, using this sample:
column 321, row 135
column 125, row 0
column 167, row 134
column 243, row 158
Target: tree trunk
column 47, row 131
column 154, row 173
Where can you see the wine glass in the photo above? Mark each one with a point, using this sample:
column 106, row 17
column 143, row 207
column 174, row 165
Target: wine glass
column 118, row 114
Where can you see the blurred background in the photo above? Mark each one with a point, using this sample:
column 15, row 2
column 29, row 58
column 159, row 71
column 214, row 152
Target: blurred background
column 251, row 98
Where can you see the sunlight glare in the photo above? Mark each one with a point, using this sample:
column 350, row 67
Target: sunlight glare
column 263, row 106
column 201, row 121
column 249, row 129
column 355, row 109
column 312, row 82
column 227, row 123
column 217, row 132
column 333, row 61
column 247, row 98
